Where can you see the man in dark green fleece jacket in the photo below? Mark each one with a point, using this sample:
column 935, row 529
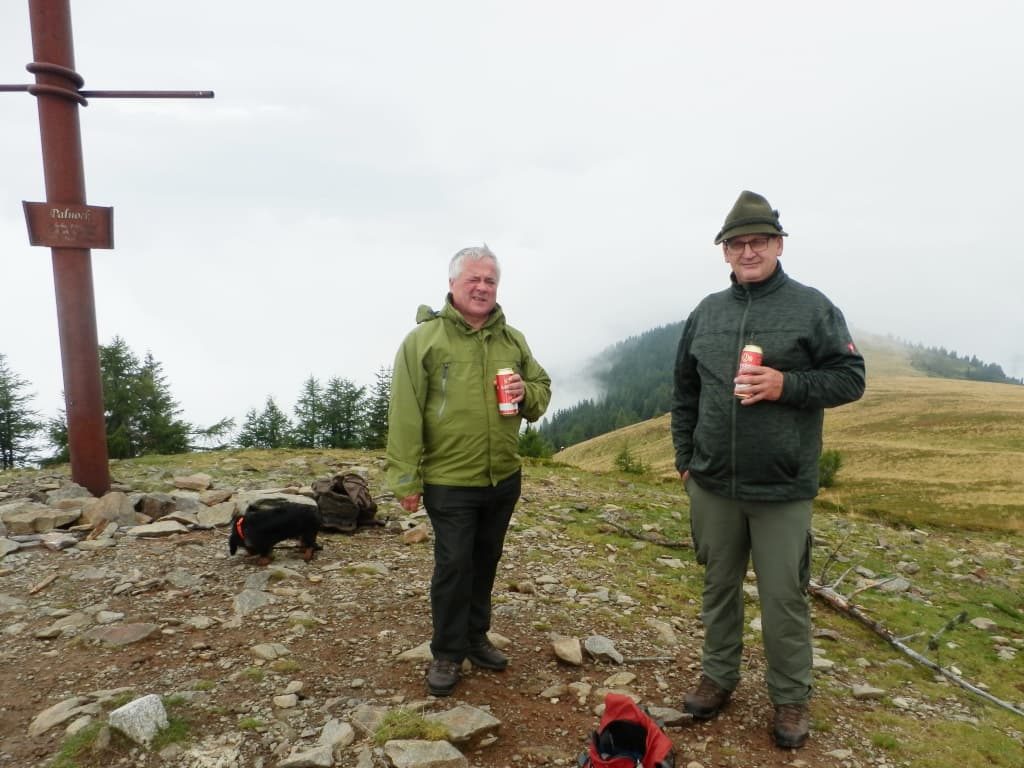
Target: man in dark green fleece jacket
column 747, row 442
column 449, row 445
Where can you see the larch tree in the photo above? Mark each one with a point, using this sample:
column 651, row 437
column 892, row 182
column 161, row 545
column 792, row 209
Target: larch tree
column 19, row 423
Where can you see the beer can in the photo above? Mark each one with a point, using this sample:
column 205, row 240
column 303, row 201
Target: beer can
column 750, row 355
column 505, row 405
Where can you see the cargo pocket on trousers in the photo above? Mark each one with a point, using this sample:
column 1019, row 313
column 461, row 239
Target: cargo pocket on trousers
column 698, row 553
column 805, row 562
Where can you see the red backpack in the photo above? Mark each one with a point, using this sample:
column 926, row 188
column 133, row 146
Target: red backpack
column 627, row 737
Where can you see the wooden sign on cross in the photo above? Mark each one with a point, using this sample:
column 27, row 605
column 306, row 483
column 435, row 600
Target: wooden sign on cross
column 71, row 228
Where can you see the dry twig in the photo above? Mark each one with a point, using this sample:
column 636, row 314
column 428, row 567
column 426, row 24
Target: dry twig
column 44, row 583
column 844, row 606
column 659, row 540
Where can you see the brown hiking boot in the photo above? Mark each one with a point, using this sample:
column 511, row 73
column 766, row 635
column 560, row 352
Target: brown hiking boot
column 443, row 676
column 707, row 700
column 485, row 655
column 791, row 726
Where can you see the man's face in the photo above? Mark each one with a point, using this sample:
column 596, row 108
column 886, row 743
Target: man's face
column 475, row 291
column 752, row 257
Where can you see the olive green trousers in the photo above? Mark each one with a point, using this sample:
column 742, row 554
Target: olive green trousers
column 727, row 534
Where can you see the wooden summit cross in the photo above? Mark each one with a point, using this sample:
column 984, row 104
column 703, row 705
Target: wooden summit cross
column 71, row 228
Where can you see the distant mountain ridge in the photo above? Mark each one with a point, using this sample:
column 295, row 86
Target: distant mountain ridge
column 916, row 450
column 635, row 377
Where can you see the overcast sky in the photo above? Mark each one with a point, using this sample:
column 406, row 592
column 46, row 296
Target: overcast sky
column 292, row 225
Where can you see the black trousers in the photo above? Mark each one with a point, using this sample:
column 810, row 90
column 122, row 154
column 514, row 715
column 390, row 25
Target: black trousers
column 469, row 534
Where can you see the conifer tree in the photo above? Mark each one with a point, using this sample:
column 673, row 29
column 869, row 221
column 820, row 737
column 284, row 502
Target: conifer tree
column 344, row 413
column 140, row 413
column 309, row 416
column 376, row 432
column 18, row 423
column 159, row 429
column 269, row 429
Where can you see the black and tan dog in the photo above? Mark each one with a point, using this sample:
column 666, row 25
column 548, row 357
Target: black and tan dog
column 269, row 521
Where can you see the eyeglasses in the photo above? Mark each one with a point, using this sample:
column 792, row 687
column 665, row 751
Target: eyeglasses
column 736, row 247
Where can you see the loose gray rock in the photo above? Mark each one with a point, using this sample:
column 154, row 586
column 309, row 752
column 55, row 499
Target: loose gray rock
column 29, row 517
column 600, row 647
column 197, row 482
column 466, row 724
column 140, row 720
column 65, row 492
column 118, row 636
column 113, row 506
column 7, row 546
column 59, row 713
column 411, row 753
column 568, row 649
column 270, row 651
column 336, row 734
column 162, row 528
column 862, row 692
column 368, row 717
column 320, row 756
column 217, row 515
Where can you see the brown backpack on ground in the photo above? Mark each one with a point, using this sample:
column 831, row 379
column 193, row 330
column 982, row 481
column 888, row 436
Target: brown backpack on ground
column 345, row 502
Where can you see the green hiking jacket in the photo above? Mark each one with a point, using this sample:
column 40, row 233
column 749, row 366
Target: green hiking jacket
column 767, row 451
column 443, row 422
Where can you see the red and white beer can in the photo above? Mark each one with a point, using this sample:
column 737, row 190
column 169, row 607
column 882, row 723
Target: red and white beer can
column 505, row 405
column 750, row 355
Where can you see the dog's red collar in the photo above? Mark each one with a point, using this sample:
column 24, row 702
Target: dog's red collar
column 238, row 526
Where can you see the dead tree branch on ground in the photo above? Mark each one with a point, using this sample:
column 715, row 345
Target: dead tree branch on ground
column 844, row 606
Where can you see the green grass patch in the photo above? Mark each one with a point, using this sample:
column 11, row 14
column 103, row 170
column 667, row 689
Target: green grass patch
column 178, row 731
column 256, row 674
column 78, row 748
column 406, row 724
column 886, row 741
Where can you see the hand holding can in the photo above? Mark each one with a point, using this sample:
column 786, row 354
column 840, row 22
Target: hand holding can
column 750, row 355
column 506, row 406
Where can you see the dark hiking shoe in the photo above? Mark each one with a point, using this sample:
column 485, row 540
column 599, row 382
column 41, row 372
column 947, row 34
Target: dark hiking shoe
column 442, row 677
column 792, row 723
column 707, row 700
column 487, row 656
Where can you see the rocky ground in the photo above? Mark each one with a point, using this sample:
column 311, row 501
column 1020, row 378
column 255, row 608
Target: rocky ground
column 262, row 666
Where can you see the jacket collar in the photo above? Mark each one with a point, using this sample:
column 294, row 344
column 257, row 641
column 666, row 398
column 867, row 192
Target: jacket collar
column 449, row 312
column 776, row 280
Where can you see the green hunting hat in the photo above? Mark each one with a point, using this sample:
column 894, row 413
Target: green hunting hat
column 751, row 215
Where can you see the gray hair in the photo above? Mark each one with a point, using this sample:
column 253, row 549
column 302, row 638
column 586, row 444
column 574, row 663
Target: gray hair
column 476, row 253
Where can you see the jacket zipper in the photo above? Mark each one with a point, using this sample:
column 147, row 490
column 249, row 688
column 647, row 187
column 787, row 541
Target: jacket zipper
column 735, row 400
column 444, row 389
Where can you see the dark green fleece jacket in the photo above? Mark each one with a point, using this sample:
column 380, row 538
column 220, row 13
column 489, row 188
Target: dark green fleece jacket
column 444, row 427
column 767, row 451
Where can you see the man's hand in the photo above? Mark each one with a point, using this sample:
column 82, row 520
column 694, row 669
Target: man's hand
column 684, row 476
column 411, row 503
column 764, row 383
column 516, row 387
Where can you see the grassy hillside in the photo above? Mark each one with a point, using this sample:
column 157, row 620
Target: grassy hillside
column 916, row 450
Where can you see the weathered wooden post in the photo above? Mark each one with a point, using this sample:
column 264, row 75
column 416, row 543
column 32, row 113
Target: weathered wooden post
column 71, row 228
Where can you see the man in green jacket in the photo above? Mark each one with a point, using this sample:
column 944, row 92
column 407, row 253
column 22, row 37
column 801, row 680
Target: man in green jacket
column 747, row 442
column 449, row 445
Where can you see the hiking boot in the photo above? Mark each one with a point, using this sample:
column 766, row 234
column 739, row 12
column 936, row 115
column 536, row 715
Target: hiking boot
column 792, row 723
column 487, row 656
column 442, row 677
column 707, row 700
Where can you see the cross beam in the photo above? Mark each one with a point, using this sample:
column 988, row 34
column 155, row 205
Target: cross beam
column 58, row 93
